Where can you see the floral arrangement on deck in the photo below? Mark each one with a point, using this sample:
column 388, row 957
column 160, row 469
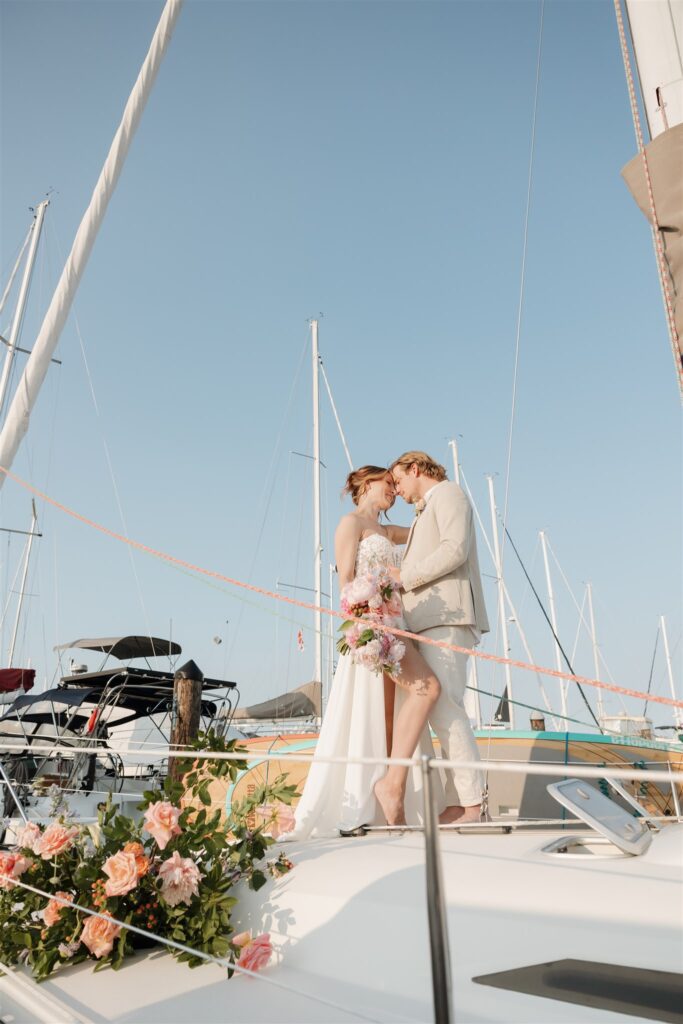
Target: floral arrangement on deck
column 173, row 873
column 373, row 597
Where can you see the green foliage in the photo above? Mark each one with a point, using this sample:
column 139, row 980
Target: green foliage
column 225, row 852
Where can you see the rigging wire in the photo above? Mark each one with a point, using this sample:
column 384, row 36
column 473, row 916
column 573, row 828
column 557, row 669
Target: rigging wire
column 15, row 269
column 520, row 305
column 336, row 414
column 268, row 487
column 107, row 453
column 582, row 617
column 652, row 668
column 539, row 680
column 557, row 639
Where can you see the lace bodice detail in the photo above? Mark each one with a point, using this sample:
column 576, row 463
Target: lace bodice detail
column 376, row 550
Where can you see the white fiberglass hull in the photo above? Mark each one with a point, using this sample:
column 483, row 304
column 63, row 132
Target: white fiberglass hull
column 349, row 924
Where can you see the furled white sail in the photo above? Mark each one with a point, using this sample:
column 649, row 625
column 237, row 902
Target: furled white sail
column 655, row 176
column 17, row 421
column 657, row 36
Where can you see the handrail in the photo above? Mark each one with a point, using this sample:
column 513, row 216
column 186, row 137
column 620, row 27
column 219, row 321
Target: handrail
column 302, row 757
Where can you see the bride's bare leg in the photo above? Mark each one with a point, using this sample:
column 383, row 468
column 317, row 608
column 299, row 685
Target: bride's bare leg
column 422, row 692
column 389, row 701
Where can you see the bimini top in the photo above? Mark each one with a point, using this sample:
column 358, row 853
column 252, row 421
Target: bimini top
column 125, row 647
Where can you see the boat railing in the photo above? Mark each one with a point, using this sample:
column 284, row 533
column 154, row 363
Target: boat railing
column 435, row 894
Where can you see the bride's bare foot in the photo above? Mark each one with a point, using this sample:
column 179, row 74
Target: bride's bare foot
column 391, row 802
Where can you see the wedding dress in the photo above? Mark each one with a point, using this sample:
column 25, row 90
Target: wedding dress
column 341, row 796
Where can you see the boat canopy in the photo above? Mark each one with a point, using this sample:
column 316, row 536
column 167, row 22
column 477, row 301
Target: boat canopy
column 12, row 679
column 304, row 702
column 125, row 647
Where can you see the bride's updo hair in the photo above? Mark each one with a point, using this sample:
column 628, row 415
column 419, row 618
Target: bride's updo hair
column 358, row 479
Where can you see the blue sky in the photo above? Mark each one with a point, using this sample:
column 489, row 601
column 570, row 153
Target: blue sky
column 368, row 161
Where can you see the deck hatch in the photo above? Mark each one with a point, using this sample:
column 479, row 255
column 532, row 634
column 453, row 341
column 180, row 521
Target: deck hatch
column 632, row 991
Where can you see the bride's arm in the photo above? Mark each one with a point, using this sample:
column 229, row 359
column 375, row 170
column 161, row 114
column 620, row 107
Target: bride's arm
column 345, row 547
column 398, row 534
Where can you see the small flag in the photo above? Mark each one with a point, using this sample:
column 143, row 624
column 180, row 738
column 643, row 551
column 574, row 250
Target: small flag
column 300, row 640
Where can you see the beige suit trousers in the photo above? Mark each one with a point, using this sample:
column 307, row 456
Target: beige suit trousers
column 464, row 786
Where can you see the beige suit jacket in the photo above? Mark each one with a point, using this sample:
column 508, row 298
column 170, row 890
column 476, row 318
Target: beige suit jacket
column 440, row 568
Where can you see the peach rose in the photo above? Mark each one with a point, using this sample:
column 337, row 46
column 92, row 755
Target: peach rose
column 256, row 952
column 161, row 821
column 142, row 863
column 279, row 818
column 179, row 879
column 28, row 836
column 55, row 839
column 98, row 935
column 12, row 865
column 122, row 872
column 54, row 908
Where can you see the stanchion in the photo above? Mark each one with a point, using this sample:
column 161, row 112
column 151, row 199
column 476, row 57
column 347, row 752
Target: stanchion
column 436, row 908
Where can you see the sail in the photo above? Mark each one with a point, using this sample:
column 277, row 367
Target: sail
column 657, row 36
column 655, row 176
column 18, row 416
column 665, row 164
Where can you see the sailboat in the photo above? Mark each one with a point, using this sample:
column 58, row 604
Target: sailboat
column 548, row 923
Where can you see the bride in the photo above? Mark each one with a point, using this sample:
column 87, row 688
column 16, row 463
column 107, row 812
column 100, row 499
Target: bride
column 366, row 716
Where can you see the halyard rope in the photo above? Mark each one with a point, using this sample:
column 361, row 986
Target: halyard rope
column 212, row 573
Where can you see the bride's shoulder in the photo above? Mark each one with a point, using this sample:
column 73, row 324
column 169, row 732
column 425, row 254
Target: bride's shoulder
column 349, row 526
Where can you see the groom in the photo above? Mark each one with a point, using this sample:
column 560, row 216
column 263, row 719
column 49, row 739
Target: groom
column 443, row 599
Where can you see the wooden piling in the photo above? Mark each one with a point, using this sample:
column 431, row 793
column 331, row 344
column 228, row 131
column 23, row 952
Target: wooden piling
column 187, row 705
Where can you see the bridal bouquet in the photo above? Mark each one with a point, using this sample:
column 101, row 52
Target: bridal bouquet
column 374, row 598
column 172, row 873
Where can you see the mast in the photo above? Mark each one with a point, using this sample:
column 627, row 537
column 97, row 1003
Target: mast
column 501, row 601
column 596, row 658
column 453, row 445
column 678, row 717
column 15, row 331
column 553, row 619
column 317, row 540
column 26, row 394
column 22, row 591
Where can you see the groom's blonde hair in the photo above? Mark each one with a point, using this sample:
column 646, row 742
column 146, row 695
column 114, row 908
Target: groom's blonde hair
column 425, row 463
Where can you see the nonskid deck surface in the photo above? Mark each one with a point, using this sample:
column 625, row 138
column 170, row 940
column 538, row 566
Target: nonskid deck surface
column 349, row 925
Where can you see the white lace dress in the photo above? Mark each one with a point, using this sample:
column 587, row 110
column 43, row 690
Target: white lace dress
column 338, row 796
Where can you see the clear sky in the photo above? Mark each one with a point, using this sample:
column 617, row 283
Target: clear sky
column 367, row 161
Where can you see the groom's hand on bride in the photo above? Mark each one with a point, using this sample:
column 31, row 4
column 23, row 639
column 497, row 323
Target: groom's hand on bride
column 395, row 574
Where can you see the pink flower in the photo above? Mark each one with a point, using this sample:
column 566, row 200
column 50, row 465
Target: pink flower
column 54, row 908
column 279, row 818
column 12, row 865
column 161, row 821
column 55, row 839
column 256, row 953
column 28, row 837
column 179, row 879
column 122, row 871
column 98, row 935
